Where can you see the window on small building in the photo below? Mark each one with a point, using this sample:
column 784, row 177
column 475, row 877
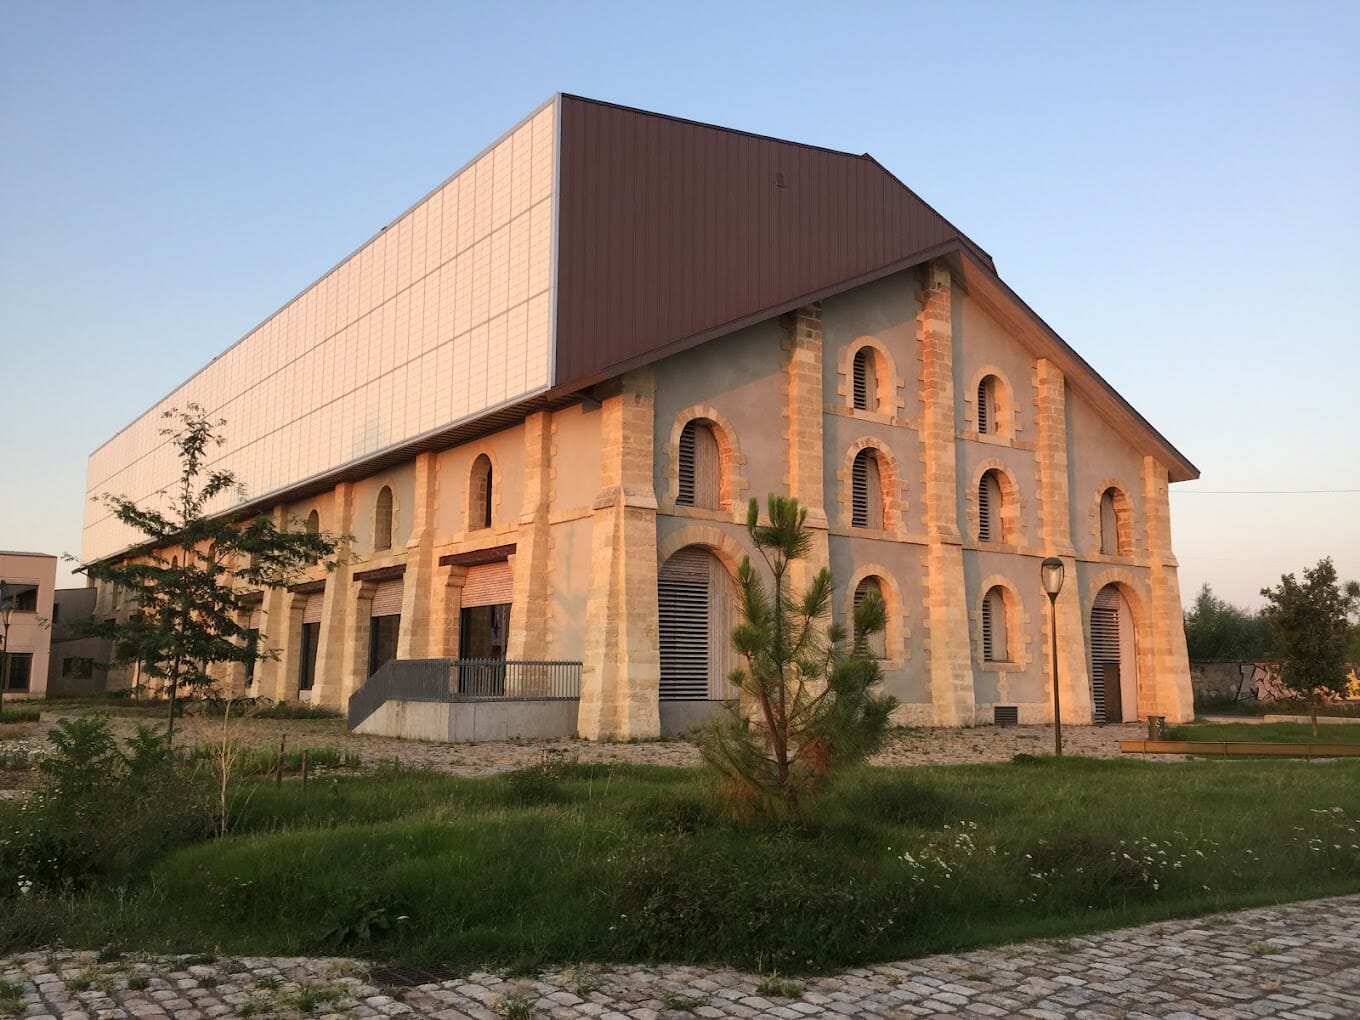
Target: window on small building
column 994, row 638
column 22, row 598
column 865, row 382
column 1112, row 541
column 313, row 523
column 986, row 406
column 482, row 493
column 698, row 478
column 18, row 670
column 382, row 519
column 875, row 644
column 989, row 507
column 866, row 491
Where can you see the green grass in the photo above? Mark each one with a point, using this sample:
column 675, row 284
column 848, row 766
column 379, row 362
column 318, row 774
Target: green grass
column 11, row 999
column 20, row 713
column 583, row 864
column 1274, row 733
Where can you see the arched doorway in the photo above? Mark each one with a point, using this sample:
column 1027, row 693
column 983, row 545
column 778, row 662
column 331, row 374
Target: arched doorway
column 695, row 615
column 1114, row 658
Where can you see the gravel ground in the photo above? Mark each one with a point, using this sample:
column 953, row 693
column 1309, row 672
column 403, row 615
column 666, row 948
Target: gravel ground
column 904, row 747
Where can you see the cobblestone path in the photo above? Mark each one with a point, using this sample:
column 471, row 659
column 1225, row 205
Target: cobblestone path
column 1294, row 962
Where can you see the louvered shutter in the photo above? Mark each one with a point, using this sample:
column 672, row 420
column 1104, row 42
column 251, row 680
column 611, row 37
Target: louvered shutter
column 683, row 614
column 489, row 584
column 685, row 489
column 984, row 406
column 311, row 610
column 984, row 510
column 859, row 492
column 876, row 643
column 387, row 599
column 706, row 471
column 1109, row 525
column 987, row 628
column 1105, row 645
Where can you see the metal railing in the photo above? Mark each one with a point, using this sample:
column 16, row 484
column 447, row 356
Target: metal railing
column 464, row 680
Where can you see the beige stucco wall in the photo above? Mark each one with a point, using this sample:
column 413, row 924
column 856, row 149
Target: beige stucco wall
column 442, row 315
column 32, row 631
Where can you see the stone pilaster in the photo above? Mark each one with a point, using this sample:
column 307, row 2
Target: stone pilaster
column 270, row 677
column 1055, row 514
column 332, row 661
column 532, row 603
column 804, row 436
column 621, row 666
column 1169, row 692
column 417, row 638
column 946, row 603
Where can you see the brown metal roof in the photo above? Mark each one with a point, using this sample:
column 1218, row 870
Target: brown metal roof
column 672, row 232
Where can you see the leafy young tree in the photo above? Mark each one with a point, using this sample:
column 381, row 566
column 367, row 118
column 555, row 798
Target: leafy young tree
column 191, row 587
column 807, row 705
column 1215, row 629
column 1311, row 623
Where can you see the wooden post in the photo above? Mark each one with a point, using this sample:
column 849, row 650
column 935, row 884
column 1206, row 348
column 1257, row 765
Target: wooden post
column 278, row 766
column 305, row 752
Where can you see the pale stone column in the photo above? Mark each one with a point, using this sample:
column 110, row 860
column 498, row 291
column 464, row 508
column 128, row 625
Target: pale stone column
column 621, row 665
column 1055, row 513
column 331, row 658
column 269, row 677
column 417, row 637
column 290, row 657
column 532, row 594
column 946, row 603
column 450, row 607
column 805, row 435
column 1167, row 692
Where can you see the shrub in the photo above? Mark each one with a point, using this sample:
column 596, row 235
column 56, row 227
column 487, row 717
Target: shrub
column 20, row 714
column 104, row 812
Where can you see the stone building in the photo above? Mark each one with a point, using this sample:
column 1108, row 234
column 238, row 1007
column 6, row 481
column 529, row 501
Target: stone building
column 540, row 399
column 27, row 582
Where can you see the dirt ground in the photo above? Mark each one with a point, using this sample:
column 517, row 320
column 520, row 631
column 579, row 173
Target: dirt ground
column 904, row 747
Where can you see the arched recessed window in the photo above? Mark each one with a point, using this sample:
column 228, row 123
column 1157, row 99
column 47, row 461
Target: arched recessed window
column 698, row 481
column 313, row 523
column 995, row 646
column 479, row 508
column 1114, row 530
column 986, row 406
column 865, row 382
column 382, row 519
column 866, row 491
column 875, row 644
column 989, row 507
column 174, row 562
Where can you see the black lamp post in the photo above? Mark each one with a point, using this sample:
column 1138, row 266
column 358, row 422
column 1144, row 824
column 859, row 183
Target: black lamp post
column 1051, row 570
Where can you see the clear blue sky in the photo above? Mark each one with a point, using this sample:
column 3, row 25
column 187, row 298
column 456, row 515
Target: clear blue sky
column 1173, row 187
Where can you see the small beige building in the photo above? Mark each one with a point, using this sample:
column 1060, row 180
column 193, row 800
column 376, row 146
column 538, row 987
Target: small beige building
column 27, row 582
column 540, row 399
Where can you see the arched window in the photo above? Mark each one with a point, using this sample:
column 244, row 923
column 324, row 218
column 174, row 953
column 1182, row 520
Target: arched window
column 995, row 647
column 866, row 491
column 382, row 520
column 1114, row 539
column 695, row 615
column 865, row 383
column 313, row 523
column 479, row 509
column 989, row 507
column 1114, row 658
column 875, row 644
column 699, row 477
column 986, row 406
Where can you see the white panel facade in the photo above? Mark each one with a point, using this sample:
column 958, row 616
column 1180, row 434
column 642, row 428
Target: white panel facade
column 442, row 316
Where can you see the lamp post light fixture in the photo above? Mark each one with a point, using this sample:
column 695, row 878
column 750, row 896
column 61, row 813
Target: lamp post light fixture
column 1051, row 570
